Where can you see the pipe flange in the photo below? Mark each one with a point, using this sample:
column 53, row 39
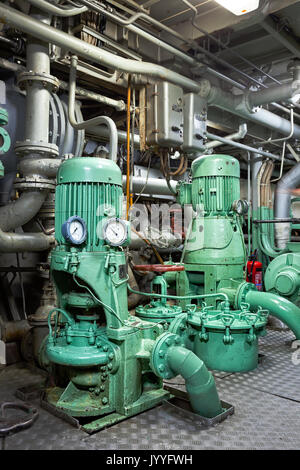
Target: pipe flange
column 179, row 326
column 3, row 117
column 48, row 81
column 5, row 141
column 158, row 360
column 30, row 182
column 27, row 147
column 241, row 293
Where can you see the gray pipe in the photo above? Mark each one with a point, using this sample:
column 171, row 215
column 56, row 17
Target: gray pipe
column 22, row 210
column 240, row 106
column 243, row 146
column 113, row 133
column 22, row 242
column 57, row 11
column 152, row 186
column 236, row 136
column 47, row 33
column 46, row 167
column 291, row 180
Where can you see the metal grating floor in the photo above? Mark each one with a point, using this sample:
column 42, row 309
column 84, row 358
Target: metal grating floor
column 267, row 412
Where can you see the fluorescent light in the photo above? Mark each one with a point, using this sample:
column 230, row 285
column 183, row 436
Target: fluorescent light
column 239, row 7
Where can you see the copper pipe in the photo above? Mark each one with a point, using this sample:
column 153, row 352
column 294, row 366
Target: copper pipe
column 128, row 148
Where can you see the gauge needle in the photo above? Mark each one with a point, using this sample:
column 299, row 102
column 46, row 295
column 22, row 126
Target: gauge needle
column 74, row 230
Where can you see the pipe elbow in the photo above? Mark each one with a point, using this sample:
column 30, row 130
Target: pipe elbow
column 200, row 383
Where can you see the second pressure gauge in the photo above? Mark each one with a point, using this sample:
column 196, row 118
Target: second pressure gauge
column 116, row 232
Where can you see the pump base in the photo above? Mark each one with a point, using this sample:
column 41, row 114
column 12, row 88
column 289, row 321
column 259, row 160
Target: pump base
column 147, row 400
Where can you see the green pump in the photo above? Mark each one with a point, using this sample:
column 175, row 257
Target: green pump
column 106, row 365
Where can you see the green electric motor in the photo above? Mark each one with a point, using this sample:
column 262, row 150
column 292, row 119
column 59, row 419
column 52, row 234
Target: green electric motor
column 214, row 251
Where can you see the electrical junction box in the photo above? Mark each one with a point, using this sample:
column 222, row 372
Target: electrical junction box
column 164, row 115
column 195, row 113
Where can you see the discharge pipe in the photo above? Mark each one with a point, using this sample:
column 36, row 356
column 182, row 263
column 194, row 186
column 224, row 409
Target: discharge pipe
column 169, row 359
column 199, row 382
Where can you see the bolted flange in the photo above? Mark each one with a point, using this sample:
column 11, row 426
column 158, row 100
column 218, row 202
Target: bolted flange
column 159, row 360
column 46, row 80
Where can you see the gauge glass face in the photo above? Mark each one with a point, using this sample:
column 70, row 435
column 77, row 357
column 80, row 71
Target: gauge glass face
column 76, row 230
column 115, row 232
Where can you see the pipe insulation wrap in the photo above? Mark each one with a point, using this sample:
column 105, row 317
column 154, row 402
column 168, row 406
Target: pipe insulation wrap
column 199, row 382
column 22, row 210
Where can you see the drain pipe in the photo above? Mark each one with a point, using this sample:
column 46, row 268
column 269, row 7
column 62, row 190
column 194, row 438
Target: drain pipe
column 113, row 132
column 169, row 359
column 289, row 181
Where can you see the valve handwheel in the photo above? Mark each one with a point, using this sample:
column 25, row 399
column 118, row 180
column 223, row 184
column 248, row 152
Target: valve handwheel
column 159, row 268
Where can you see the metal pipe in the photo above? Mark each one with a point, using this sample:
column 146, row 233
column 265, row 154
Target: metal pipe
column 44, row 167
column 278, row 306
column 240, row 106
column 243, row 146
column 289, row 181
column 22, row 210
column 113, row 141
column 236, row 136
column 22, row 242
column 151, row 186
column 199, row 382
column 57, row 11
column 119, row 105
column 90, row 52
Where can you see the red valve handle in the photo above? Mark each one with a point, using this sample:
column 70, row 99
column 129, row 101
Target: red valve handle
column 158, row 268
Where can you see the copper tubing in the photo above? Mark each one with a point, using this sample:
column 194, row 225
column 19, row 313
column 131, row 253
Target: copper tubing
column 128, row 148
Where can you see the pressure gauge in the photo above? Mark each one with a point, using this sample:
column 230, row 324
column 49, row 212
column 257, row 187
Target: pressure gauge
column 74, row 230
column 116, row 232
column 241, row 206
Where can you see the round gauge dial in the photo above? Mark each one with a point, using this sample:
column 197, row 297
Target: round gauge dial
column 115, row 232
column 74, row 230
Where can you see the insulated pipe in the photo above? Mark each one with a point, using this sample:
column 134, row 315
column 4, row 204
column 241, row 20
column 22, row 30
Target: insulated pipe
column 66, row 41
column 291, row 180
column 113, row 133
column 278, row 306
column 199, row 382
column 21, row 242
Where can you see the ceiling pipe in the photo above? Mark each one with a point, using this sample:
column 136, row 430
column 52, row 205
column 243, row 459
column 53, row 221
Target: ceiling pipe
column 57, row 11
column 88, row 51
column 215, row 96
